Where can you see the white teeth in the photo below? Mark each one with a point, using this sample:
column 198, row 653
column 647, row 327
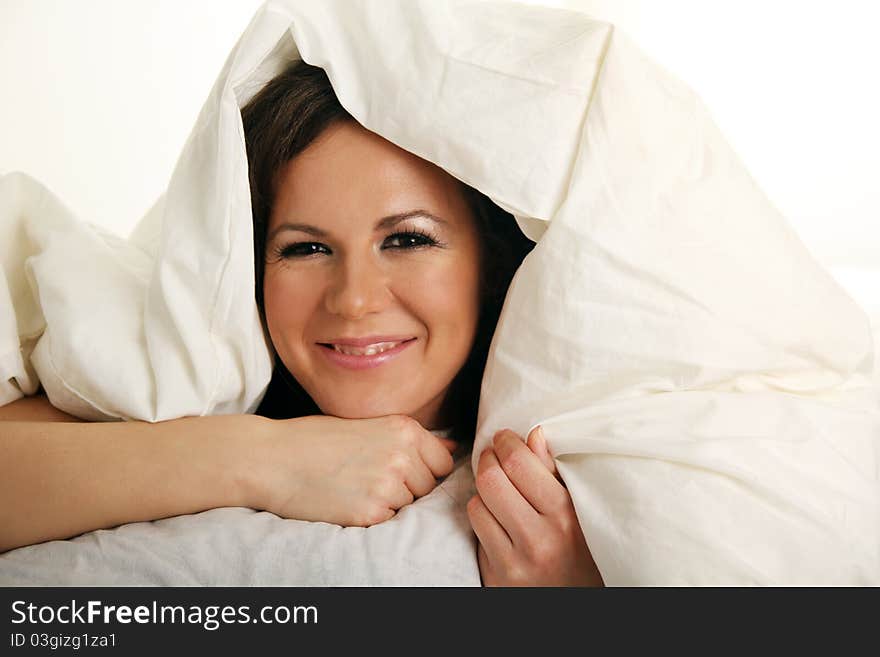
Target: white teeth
column 369, row 350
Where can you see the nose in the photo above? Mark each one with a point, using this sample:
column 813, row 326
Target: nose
column 359, row 287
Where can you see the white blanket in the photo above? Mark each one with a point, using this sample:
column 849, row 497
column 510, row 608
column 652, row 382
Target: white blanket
column 705, row 386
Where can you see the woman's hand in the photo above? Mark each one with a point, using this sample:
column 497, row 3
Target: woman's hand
column 524, row 518
column 346, row 472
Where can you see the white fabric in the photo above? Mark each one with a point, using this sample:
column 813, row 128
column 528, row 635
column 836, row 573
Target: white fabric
column 703, row 383
column 863, row 284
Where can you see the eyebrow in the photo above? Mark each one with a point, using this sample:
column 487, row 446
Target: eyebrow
column 383, row 224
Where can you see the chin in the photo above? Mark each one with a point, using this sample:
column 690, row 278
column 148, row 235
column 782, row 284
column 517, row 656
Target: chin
column 363, row 411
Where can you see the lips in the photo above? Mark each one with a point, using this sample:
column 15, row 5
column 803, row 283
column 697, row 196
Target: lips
column 372, row 354
column 369, row 350
column 366, row 340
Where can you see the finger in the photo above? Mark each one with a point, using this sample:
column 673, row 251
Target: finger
column 515, row 514
column 419, row 479
column 435, row 454
column 449, row 444
column 538, row 444
column 489, row 531
column 528, row 474
column 487, row 571
column 400, row 496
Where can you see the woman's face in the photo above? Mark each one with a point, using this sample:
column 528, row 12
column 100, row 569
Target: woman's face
column 369, row 243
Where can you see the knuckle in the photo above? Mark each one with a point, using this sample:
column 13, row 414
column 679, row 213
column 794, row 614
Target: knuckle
column 516, row 574
column 568, row 525
column 382, row 489
column 489, row 479
column 398, row 463
column 561, row 509
column 407, row 441
column 512, row 462
column 473, row 505
column 402, row 425
column 541, row 553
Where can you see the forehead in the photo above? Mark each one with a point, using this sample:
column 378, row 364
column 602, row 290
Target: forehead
column 350, row 172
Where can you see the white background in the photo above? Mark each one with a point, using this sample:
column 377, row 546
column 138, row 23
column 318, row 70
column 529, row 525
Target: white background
column 98, row 97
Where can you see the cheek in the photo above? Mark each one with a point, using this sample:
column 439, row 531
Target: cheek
column 447, row 297
column 287, row 301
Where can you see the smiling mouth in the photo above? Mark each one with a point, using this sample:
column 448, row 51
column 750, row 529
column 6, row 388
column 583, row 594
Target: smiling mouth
column 369, row 350
column 364, row 358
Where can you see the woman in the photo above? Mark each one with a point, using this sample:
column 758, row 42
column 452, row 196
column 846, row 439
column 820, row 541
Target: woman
column 380, row 287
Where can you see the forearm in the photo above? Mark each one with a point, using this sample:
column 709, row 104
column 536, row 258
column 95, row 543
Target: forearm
column 59, row 479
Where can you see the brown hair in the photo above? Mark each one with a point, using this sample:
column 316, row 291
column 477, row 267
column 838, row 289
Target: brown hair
column 287, row 115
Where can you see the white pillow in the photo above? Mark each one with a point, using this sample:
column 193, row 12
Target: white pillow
column 704, row 384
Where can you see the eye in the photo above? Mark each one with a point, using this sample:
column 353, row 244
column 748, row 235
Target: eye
column 299, row 249
column 411, row 239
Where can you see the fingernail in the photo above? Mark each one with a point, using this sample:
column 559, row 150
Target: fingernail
column 542, row 438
